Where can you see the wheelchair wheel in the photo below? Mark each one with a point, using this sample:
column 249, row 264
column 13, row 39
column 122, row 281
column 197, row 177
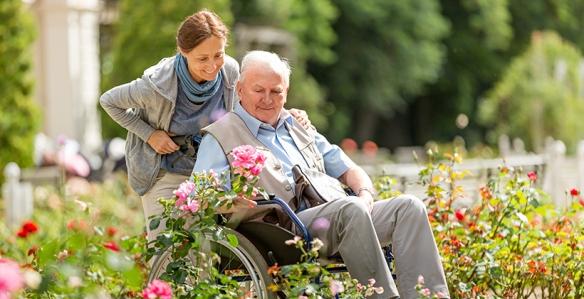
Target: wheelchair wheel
column 243, row 264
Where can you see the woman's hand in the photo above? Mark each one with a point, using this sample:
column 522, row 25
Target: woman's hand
column 302, row 118
column 161, row 143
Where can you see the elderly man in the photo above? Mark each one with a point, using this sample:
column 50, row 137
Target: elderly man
column 359, row 226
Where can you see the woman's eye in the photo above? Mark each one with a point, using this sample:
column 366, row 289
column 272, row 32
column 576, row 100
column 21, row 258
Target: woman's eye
column 203, row 59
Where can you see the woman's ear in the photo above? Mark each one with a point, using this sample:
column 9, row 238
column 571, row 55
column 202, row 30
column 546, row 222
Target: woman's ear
column 183, row 53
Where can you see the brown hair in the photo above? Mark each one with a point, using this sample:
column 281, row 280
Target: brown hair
column 198, row 27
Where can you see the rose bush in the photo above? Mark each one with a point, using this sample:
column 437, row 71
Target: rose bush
column 310, row 280
column 78, row 245
column 191, row 219
column 90, row 244
column 511, row 244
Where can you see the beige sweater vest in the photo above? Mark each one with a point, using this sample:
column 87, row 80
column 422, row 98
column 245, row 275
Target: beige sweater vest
column 230, row 132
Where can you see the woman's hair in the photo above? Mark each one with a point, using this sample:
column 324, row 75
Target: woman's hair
column 198, row 27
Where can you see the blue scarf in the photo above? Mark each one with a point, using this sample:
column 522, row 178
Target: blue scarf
column 195, row 92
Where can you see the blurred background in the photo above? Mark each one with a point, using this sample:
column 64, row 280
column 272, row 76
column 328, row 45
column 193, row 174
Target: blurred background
column 491, row 77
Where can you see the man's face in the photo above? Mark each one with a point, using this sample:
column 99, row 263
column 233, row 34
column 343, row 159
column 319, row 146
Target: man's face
column 263, row 93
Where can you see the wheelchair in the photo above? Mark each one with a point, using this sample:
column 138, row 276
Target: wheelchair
column 260, row 245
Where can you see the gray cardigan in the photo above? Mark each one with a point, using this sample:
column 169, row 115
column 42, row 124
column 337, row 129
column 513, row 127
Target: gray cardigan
column 147, row 104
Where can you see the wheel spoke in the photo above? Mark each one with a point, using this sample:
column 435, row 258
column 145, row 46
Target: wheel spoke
column 236, row 262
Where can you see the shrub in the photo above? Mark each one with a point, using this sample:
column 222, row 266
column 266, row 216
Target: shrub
column 80, row 245
column 17, row 128
column 510, row 244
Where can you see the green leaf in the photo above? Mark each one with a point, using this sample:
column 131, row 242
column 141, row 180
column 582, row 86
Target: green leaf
column 232, row 239
column 47, row 252
column 154, row 223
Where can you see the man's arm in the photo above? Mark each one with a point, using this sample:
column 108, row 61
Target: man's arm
column 210, row 157
column 340, row 166
column 358, row 180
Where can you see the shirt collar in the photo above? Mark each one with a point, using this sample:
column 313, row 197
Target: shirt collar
column 254, row 124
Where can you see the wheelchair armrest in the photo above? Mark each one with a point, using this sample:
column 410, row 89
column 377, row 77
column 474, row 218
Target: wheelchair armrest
column 286, row 208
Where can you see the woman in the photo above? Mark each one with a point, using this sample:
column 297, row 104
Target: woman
column 175, row 98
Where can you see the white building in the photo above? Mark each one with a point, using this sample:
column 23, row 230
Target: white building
column 66, row 68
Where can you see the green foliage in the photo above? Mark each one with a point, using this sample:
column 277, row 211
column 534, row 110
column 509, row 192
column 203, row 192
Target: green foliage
column 144, row 34
column 311, row 22
column 485, row 37
column 539, row 95
column 83, row 246
column 20, row 116
column 387, row 51
column 311, row 279
column 481, row 32
column 508, row 245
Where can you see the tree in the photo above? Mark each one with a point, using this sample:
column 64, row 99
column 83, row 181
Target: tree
column 485, row 36
column 387, row 51
column 19, row 126
column 539, row 95
column 144, row 34
column 476, row 53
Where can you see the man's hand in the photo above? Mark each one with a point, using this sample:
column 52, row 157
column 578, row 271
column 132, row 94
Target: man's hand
column 239, row 204
column 161, row 143
column 368, row 198
column 302, row 118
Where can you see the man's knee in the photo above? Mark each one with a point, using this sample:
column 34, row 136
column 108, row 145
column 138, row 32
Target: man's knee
column 411, row 202
column 352, row 206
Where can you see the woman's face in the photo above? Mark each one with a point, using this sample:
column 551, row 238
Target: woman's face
column 206, row 59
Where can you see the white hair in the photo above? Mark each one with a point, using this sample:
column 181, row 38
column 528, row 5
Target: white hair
column 266, row 59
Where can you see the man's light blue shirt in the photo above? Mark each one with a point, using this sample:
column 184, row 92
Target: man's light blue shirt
column 278, row 140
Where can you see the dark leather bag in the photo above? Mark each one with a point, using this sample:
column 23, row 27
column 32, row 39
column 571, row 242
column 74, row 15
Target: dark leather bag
column 315, row 188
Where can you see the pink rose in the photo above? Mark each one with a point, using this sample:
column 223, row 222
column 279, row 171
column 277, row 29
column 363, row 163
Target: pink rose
column 157, row 289
column 247, row 161
column 426, row 292
column 184, row 190
column 11, row 279
column 191, row 206
column 260, row 158
column 420, row 280
column 336, row 287
column 532, row 176
column 256, row 170
column 244, row 156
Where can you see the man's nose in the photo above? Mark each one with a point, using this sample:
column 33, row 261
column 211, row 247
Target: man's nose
column 267, row 98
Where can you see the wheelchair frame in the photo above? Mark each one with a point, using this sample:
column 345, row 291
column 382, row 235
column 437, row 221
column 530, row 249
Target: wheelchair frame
column 255, row 234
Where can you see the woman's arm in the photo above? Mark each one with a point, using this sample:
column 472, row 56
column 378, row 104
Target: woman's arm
column 302, row 118
column 118, row 103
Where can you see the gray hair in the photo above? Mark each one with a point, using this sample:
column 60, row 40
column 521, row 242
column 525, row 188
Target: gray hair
column 266, row 59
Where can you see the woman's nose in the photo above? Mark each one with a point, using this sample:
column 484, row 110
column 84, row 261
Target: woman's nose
column 210, row 67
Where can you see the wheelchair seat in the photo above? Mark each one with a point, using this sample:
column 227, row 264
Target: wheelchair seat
column 268, row 238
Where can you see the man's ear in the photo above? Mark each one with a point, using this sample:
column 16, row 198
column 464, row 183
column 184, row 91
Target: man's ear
column 238, row 88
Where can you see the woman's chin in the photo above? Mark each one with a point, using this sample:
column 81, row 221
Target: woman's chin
column 210, row 77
